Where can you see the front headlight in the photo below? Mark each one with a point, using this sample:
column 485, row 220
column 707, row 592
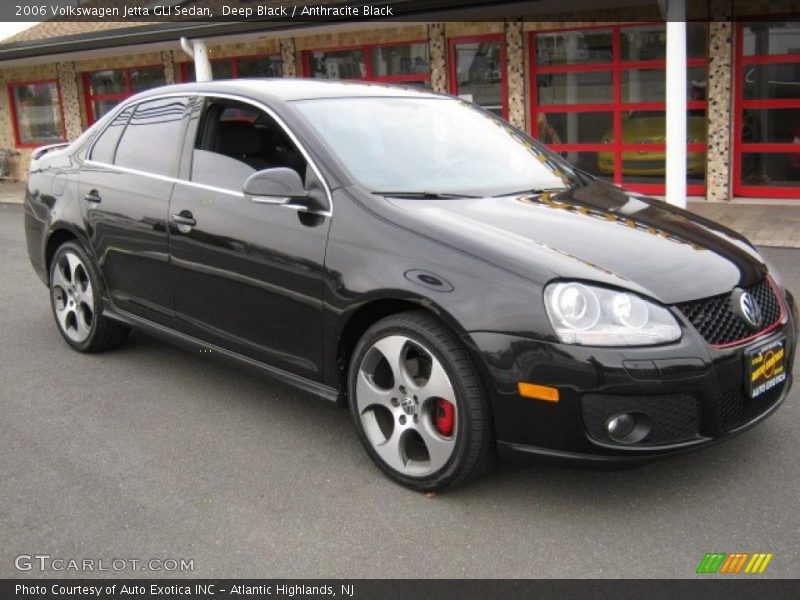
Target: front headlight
column 595, row 316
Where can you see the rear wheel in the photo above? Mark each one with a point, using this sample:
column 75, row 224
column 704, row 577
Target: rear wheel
column 76, row 301
column 418, row 405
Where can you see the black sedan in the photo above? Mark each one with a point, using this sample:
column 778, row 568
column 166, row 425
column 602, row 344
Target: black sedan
column 462, row 289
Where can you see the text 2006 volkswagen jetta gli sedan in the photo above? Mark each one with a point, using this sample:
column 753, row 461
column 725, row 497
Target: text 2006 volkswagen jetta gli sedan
column 459, row 287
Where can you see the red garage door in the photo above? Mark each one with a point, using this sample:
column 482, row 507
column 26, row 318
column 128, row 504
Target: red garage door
column 767, row 113
column 598, row 98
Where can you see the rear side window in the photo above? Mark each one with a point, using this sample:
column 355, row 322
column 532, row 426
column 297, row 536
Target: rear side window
column 152, row 138
column 106, row 145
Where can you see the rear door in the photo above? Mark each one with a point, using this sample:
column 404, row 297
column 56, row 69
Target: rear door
column 125, row 187
column 247, row 276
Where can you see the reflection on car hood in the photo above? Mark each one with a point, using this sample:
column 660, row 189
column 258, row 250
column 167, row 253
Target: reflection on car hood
column 598, row 232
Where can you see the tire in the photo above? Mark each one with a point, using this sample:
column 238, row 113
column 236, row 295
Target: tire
column 405, row 371
column 76, row 294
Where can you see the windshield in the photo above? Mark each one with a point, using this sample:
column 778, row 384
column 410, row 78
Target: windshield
column 431, row 146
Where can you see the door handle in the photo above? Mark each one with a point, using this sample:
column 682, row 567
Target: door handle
column 184, row 218
column 93, row 196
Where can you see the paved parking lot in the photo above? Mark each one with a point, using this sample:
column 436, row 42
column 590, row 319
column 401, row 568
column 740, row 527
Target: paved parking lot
column 154, row 452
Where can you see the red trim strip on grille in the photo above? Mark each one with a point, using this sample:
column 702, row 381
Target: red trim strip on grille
column 773, row 326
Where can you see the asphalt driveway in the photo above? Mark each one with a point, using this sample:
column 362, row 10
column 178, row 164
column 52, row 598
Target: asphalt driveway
column 152, row 452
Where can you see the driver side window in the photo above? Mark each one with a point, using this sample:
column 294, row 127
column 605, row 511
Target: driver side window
column 234, row 140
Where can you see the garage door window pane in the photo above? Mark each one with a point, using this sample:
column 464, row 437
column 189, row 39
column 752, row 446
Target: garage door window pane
column 150, row 142
column 651, row 168
column 771, row 38
column 771, row 126
column 776, row 81
column 338, row 64
column 38, row 113
column 575, row 127
column 591, row 87
column 599, row 164
column 574, row 47
column 649, row 42
column 773, row 169
column 649, row 85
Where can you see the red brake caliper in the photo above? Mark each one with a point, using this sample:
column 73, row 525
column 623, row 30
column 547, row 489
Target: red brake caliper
column 445, row 417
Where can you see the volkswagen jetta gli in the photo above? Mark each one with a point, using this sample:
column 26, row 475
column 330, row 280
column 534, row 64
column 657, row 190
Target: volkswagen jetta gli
column 462, row 289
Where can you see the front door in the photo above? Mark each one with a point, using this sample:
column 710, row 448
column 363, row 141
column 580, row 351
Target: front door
column 125, row 187
column 246, row 276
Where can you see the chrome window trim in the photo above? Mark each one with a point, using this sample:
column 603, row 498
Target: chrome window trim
column 228, row 96
column 166, row 178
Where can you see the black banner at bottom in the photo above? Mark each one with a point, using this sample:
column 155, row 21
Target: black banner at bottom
column 391, row 589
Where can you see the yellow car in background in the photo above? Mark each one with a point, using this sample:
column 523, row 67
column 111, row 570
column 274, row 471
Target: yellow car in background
column 649, row 127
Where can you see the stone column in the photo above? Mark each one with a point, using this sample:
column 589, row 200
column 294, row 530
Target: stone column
column 288, row 57
column 168, row 60
column 515, row 73
column 70, row 99
column 437, row 45
column 720, row 94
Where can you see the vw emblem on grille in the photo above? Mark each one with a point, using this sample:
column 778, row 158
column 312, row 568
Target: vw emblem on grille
column 747, row 306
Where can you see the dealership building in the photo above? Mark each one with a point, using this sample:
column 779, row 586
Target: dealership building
column 591, row 84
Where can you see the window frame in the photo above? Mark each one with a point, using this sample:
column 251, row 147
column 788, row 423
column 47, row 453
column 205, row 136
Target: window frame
column 15, row 114
column 740, row 104
column 370, row 74
column 452, row 66
column 617, row 106
column 180, row 176
column 90, row 98
column 184, row 66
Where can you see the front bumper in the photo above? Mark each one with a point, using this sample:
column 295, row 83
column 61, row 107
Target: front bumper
column 692, row 393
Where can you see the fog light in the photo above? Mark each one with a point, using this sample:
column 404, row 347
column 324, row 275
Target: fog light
column 628, row 428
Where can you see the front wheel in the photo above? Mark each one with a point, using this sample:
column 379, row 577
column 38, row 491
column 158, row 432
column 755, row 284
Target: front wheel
column 418, row 405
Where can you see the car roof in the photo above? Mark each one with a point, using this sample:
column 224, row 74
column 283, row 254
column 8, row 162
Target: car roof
column 285, row 90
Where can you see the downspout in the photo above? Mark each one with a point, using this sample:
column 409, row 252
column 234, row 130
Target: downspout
column 676, row 102
column 199, row 53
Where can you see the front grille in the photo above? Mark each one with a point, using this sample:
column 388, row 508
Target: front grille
column 715, row 320
column 736, row 408
column 674, row 418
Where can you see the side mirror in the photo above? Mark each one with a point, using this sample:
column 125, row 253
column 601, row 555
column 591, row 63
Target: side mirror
column 279, row 185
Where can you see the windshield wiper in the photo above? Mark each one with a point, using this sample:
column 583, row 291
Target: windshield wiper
column 425, row 195
column 533, row 192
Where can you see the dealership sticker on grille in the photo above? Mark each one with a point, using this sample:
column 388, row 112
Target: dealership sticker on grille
column 766, row 367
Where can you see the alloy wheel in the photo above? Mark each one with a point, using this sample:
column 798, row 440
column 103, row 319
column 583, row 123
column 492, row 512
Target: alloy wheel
column 72, row 295
column 407, row 406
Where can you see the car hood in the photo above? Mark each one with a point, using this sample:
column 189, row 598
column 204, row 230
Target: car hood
column 597, row 232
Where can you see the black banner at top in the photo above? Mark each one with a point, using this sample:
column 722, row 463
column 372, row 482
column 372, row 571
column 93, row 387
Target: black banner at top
column 312, row 11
